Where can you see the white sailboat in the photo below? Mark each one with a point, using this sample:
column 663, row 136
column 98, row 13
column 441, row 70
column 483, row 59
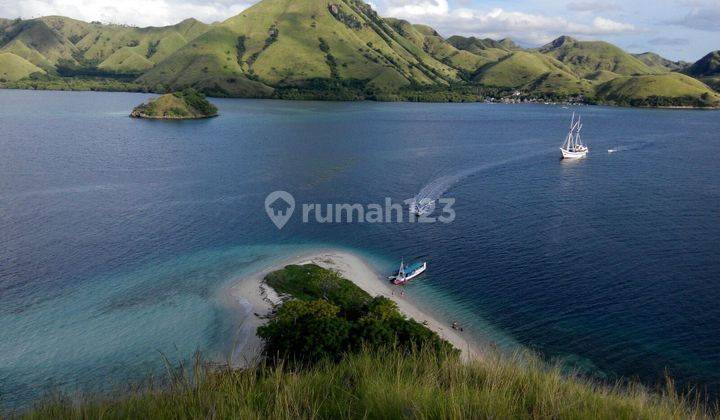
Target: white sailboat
column 407, row 273
column 573, row 147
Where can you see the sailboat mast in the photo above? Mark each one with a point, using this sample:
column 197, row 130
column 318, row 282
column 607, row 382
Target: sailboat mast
column 577, row 133
column 568, row 139
column 578, row 140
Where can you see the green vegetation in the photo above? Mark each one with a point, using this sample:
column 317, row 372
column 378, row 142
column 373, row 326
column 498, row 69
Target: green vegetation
column 38, row 81
column 330, row 317
column 14, row 68
column 532, row 71
column 707, row 69
column 382, row 384
column 586, row 57
column 667, row 90
column 326, row 50
column 660, row 64
column 707, row 66
column 186, row 104
column 475, row 45
column 348, row 355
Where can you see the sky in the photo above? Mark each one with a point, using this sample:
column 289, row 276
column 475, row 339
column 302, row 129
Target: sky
column 676, row 29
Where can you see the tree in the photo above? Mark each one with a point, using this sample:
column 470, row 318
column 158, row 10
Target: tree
column 306, row 331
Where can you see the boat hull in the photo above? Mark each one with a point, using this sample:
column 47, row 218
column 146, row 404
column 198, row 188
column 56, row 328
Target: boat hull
column 566, row 154
column 410, row 276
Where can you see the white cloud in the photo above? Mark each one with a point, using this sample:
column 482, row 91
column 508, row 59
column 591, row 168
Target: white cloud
column 592, row 6
column 531, row 28
column 413, row 8
column 497, row 23
column 601, row 25
column 135, row 12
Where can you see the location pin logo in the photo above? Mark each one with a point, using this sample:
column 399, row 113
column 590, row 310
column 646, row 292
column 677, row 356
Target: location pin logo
column 279, row 206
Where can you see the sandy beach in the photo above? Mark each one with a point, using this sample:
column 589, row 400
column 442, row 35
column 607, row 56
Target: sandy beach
column 256, row 300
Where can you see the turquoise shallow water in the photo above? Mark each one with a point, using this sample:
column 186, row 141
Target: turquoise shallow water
column 116, row 235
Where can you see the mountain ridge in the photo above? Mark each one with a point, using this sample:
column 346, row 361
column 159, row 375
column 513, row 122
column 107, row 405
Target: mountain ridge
column 329, row 49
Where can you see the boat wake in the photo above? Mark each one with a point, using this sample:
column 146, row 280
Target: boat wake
column 629, row 147
column 424, row 201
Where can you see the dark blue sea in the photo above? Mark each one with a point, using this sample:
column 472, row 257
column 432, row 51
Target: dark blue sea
column 117, row 235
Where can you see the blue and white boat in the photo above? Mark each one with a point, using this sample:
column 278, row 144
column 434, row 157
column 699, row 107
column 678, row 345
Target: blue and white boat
column 422, row 207
column 407, row 273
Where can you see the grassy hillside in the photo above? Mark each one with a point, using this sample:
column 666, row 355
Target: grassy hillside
column 187, row 104
column 532, row 71
column 707, row 69
column 487, row 49
column 383, row 384
column 348, row 355
column 324, row 49
column 37, row 43
column 125, row 60
column 476, row 45
column 13, row 67
column 329, row 39
column 601, row 76
column 296, row 43
column 707, row 66
column 673, row 89
column 56, row 42
column 209, row 63
column 587, row 57
column 660, row 64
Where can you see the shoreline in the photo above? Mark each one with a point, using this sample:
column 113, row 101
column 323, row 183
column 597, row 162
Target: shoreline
column 316, row 99
column 254, row 301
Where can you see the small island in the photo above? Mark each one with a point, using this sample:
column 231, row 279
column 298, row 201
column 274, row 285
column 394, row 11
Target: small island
column 183, row 105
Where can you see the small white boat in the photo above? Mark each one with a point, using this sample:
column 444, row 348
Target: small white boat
column 405, row 274
column 612, row 150
column 422, row 207
column 573, row 147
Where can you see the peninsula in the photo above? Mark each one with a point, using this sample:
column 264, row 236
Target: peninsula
column 327, row 338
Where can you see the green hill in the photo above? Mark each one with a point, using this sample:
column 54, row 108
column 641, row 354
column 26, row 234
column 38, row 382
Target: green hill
column 660, row 64
column 707, row 66
column 707, row 69
column 432, row 43
column 533, row 71
column 323, row 49
column 601, row 76
column 209, row 63
column 672, row 89
column 488, row 49
column 476, row 45
column 13, row 67
column 587, row 57
column 356, row 44
column 55, row 42
column 38, row 43
column 292, row 43
column 184, row 105
column 126, row 60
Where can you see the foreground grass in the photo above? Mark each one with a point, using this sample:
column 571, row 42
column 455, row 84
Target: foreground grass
column 385, row 385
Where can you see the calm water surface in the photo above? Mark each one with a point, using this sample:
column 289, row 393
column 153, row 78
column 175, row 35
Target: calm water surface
column 117, row 235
